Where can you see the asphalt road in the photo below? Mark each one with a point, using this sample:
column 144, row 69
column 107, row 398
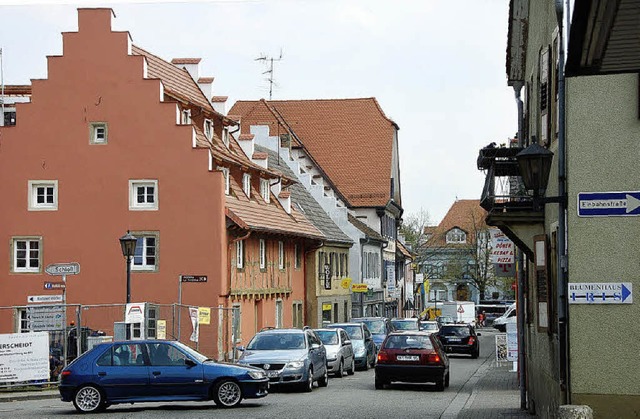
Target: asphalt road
column 347, row 397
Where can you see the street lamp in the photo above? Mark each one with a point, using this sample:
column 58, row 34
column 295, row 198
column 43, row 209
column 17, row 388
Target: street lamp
column 128, row 244
column 535, row 165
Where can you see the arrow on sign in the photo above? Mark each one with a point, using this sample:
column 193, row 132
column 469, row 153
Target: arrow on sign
column 608, row 204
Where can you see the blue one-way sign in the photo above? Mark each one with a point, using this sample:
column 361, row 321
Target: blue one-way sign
column 609, row 204
column 600, row 293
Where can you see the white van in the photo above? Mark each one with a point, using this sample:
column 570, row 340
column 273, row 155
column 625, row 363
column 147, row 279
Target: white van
column 509, row 316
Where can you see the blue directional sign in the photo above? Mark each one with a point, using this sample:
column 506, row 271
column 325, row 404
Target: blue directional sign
column 600, row 293
column 609, row 204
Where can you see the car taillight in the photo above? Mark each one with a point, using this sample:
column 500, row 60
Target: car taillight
column 383, row 357
column 472, row 340
column 65, row 373
column 433, row 358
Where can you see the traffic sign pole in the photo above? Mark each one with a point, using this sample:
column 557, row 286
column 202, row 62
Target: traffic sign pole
column 64, row 318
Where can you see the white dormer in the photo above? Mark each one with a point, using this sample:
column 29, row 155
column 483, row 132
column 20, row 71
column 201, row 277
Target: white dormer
column 192, row 65
column 285, row 200
column 246, row 143
column 219, row 103
column 456, row 236
column 206, row 85
column 260, row 158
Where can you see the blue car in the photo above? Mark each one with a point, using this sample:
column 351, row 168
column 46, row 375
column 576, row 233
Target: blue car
column 155, row 371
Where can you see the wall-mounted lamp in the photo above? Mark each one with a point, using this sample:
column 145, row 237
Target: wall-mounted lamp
column 535, row 166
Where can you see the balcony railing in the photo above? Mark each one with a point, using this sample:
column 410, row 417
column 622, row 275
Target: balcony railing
column 504, row 192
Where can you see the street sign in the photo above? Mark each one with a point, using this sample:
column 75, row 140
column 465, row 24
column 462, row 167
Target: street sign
column 54, row 285
column 71, row 268
column 600, row 293
column 193, row 278
column 609, row 204
column 41, row 318
column 44, row 299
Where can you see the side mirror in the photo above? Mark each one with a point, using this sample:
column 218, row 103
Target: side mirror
column 478, row 334
column 189, row 363
column 240, row 348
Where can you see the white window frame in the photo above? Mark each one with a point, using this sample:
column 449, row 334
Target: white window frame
column 281, row 255
column 27, row 256
column 94, row 130
column 186, row 117
column 296, row 256
column 208, row 129
column 145, row 247
column 456, row 236
column 246, row 184
column 227, row 181
column 265, row 190
column 279, row 313
column 240, row 254
column 33, row 186
column 134, row 205
column 263, row 254
column 225, row 136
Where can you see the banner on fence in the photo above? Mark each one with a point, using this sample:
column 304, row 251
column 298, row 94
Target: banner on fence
column 161, row 331
column 204, row 315
column 24, row 357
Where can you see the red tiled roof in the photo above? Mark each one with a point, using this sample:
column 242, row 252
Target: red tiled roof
column 177, row 81
column 17, row 89
column 186, row 60
column 271, row 217
column 244, row 137
column 259, row 155
column 467, row 215
column 219, row 98
column 284, row 194
column 351, row 140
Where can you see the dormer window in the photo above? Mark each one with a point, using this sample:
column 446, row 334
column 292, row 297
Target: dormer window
column 225, row 136
column 208, row 129
column 186, row 116
column 246, row 184
column 225, row 173
column 265, row 193
column 456, row 236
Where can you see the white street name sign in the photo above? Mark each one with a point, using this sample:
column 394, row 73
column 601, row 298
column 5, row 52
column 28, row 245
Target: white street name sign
column 44, row 299
column 72, row 268
column 600, row 293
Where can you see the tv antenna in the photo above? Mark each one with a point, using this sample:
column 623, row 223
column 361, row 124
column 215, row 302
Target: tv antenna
column 269, row 61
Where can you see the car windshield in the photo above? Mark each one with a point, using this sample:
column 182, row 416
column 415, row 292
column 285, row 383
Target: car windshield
column 405, row 324
column 375, row 326
column 454, row 330
column 445, row 319
column 354, row 332
column 191, row 352
column 276, row 341
column 428, row 326
column 328, row 337
column 406, row 342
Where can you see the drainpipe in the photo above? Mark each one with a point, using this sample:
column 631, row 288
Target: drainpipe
column 563, row 268
column 521, row 278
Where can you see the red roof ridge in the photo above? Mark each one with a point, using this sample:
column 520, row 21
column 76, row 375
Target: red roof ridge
column 185, row 60
column 206, row 79
column 284, row 194
column 260, row 155
column 246, row 137
column 219, row 98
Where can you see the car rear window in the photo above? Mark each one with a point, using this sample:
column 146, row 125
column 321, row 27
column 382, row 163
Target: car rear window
column 405, row 324
column 455, row 330
column 354, row 332
column 407, row 341
column 375, row 326
column 328, row 337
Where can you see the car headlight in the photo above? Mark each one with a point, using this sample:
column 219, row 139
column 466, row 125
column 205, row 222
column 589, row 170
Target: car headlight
column 294, row 365
column 257, row 375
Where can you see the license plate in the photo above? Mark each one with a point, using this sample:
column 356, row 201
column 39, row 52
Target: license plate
column 272, row 374
column 455, row 340
column 408, row 358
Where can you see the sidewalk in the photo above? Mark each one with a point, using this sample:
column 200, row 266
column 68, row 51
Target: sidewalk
column 34, row 394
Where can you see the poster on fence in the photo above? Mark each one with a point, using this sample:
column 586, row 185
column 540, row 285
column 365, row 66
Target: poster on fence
column 501, row 347
column 24, row 357
column 193, row 313
column 512, row 342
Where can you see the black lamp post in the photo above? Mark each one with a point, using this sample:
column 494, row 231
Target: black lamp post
column 535, row 166
column 128, row 244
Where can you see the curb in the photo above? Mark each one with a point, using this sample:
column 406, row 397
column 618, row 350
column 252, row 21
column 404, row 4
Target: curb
column 8, row 397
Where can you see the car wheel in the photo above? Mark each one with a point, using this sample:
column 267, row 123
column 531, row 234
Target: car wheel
column 440, row 384
column 227, row 393
column 446, row 380
column 366, row 363
column 308, row 386
column 324, row 380
column 379, row 384
column 88, row 399
column 475, row 354
column 352, row 370
column 340, row 371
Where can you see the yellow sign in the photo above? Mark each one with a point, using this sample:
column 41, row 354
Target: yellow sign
column 326, row 306
column 345, row 283
column 204, row 315
column 161, row 329
column 359, row 287
column 426, row 287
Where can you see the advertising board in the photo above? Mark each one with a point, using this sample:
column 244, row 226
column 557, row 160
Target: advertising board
column 24, row 357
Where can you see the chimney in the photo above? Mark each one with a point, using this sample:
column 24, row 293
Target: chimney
column 219, row 103
column 206, row 85
column 246, row 143
column 260, row 158
column 192, row 65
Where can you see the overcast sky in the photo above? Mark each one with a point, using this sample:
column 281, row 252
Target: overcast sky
column 437, row 67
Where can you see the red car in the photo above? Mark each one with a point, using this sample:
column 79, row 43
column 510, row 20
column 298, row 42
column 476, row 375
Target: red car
column 414, row 357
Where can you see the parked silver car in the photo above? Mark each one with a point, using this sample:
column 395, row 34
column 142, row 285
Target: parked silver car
column 288, row 356
column 339, row 351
